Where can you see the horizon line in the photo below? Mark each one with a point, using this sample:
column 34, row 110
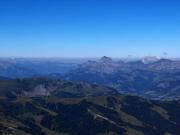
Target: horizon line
column 84, row 57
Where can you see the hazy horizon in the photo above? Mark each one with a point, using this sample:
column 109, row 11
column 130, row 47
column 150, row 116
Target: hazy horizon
column 85, row 58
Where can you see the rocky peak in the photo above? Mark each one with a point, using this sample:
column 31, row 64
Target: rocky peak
column 150, row 59
column 106, row 59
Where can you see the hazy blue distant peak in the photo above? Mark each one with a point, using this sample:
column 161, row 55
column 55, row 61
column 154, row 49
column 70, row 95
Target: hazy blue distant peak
column 150, row 59
column 106, row 59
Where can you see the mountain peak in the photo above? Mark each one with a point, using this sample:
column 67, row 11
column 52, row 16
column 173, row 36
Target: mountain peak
column 106, row 59
column 150, row 59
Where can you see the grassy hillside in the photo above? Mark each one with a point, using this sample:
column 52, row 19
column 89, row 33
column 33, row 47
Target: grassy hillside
column 34, row 87
column 103, row 115
column 40, row 106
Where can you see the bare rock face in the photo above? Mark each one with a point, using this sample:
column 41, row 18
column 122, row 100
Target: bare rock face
column 107, row 66
column 104, row 65
column 106, row 59
column 150, row 59
column 42, row 90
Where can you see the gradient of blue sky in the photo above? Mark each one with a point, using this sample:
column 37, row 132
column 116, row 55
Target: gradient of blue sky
column 89, row 28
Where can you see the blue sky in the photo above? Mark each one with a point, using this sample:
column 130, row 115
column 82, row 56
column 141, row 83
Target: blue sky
column 89, row 28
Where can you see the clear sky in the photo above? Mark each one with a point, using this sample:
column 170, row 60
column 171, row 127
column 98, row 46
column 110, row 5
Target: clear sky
column 89, row 28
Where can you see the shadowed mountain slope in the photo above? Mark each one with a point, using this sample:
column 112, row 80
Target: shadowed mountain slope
column 41, row 106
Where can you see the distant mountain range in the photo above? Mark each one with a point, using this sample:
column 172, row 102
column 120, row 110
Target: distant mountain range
column 41, row 106
column 150, row 77
column 157, row 80
column 20, row 68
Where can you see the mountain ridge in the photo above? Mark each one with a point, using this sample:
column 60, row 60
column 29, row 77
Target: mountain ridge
column 132, row 77
column 156, row 80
